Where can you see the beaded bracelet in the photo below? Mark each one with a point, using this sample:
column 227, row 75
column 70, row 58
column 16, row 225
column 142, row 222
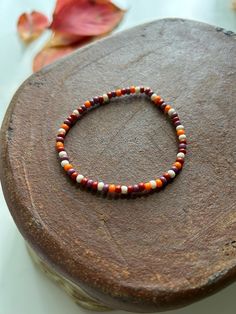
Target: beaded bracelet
column 100, row 186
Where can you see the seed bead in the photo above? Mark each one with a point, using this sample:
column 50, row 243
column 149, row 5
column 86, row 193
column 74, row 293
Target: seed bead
column 101, row 186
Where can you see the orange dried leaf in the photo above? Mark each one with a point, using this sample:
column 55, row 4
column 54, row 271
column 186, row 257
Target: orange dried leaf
column 86, row 17
column 31, row 25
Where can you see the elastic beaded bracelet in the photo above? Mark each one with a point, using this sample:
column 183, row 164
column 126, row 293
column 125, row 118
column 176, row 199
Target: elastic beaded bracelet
column 100, row 186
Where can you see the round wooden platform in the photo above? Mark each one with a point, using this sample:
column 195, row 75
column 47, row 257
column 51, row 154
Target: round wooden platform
column 140, row 254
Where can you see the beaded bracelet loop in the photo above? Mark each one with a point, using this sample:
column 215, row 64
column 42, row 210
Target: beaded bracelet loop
column 100, row 186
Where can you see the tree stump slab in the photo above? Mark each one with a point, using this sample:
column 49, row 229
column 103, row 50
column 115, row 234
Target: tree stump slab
column 141, row 254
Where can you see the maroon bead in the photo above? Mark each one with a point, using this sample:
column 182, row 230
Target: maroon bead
column 141, row 186
column 95, row 185
column 80, row 109
column 109, row 95
column 60, row 139
column 124, row 91
column 91, row 102
column 89, row 183
column 68, row 122
column 101, row 100
column 135, row 188
column 175, row 115
column 181, row 160
column 96, row 100
column 175, row 169
column 150, row 93
column 127, row 90
column 177, row 123
column 73, row 118
column 70, row 171
column 164, row 181
column 74, row 175
column 182, row 145
column 113, row 94
column 64, row 158
column 182, row 150
column 141, row 89
column 162, row 106
column 167, row 176
column 130, row 188
column 84, row 181
column 105, row 188
column 147, row 90
column 118, row 189
column 175, row 119
column 84, row 108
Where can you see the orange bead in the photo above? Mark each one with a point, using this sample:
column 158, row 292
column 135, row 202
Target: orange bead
column 157, row 99
column 132, row 89
column 67, row 167
column 159, row 183
column 167, row 108
column 178, row 165
column 87, row 104
column 112, row 188
column 65, row 126
column 147, row 186
column 59, row 144
column 179, row 132
column 118, row 92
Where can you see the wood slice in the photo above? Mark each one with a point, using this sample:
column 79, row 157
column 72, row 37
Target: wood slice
column 141, row 254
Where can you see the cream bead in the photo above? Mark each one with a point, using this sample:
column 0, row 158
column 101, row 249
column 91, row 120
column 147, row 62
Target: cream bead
column 124, row 189
column 61, row 130
column 153, row 184
column 171, row 112
column 182, row 137
column 153, row 97
column 137, row 89
column 100, row 186
column 79, row 178
column 179, row 127
column 62, row 154
column 180, row 155
column 105, row 97
column 64, row 162
column 171, row 173
column 76, row 112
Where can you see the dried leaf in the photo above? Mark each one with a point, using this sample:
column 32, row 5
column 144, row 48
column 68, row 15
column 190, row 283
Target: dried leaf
column 50, row 54
column 61, row 39
column 86, row 17
column 31, row 25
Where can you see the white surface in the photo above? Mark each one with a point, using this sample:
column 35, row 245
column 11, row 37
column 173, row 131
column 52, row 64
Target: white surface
column 23, row 289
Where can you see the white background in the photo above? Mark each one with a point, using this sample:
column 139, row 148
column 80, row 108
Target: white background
column 23, row 289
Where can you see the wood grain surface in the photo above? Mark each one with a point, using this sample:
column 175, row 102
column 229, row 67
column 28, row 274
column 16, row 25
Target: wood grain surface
column 141, row 254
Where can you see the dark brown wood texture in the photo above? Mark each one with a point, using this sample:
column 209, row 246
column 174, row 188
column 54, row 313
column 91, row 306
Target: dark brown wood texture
column 146, row 253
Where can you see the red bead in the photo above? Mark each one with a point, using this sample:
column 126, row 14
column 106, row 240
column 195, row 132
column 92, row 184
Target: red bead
column 109, row 95
column 181, row 160
column 95, row 185
column 130, row 188
column 84, row 181
column 167, row 176
column 74, row 175
column 182, row 150
column 118, row 189
column 141, row 186
column 101, row 100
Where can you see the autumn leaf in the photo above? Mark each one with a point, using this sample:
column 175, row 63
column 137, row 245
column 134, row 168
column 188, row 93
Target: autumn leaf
column 31, row 25
column 50, row 54
column 85, row 17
